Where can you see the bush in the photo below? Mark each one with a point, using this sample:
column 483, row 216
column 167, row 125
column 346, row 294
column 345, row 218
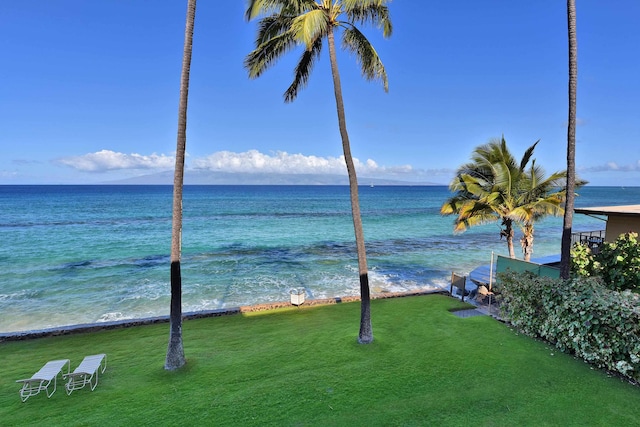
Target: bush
column 620, row 262
column 617, row 263
column 583, row 263
column 580, row 316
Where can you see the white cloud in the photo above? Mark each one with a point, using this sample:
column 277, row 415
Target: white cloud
column 613, row 166
column 8, row 174
column 106, row 160
column 253, row 161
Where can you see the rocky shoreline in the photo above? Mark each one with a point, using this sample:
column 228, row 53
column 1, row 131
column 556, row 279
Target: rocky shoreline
column 102, row 326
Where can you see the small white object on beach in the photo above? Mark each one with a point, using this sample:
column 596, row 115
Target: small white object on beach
column 297, row 296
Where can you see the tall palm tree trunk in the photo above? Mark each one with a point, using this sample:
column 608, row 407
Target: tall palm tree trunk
column 175, row 351
column 366, row 332
column 565, row 251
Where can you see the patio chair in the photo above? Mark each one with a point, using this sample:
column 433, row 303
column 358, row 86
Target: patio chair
column 42, row 379
column 86, row 373
column 459, row 282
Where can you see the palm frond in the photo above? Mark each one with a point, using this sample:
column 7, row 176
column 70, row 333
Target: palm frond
column 267, row 53
column 310, row 26
column 303, row 70
column 527, row 155
column 556, row 179
column 373, row 12
column 370, row 63
column 483, row 174
column 504, row 178
column 451, row 206
column 534, row 211
column 474, row 215
column 256, row 8
column 270, row 27
column 474, row 188
column 481, row 156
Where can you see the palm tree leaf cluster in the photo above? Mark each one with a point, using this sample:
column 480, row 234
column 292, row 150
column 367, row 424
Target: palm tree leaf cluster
column 494, row 186
column 287, row 24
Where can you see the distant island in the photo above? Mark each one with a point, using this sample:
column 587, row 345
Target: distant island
column 202, row 177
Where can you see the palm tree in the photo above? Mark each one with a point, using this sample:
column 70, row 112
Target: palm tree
column 565, row 251
column 495, row 187
column 286, row 24
column 175, row 351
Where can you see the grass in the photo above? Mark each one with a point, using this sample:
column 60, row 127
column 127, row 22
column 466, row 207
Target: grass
column 303, row 367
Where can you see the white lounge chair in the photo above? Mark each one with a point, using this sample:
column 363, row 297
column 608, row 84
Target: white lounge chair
column 86, row 373
column 42, row 379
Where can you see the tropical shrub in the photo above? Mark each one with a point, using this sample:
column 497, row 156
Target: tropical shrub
column 583, row 263
column 620, row 262
column 580, row 316
column 617, row 263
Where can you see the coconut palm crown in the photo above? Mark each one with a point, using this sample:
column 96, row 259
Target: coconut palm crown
column 287, row 24
column 495, row 187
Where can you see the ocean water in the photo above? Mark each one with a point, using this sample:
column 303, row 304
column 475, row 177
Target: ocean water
column 84, row 254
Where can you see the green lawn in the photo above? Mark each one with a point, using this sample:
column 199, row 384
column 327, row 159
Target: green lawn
column 303, row 367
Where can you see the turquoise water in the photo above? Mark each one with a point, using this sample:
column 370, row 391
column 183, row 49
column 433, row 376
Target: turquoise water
column 84, row 254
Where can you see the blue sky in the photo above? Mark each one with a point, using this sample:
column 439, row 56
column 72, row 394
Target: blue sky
column 89, row 92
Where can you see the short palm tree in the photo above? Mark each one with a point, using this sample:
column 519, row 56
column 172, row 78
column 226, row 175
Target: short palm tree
column 287, row 24
column 175, row 350
column 495, row 187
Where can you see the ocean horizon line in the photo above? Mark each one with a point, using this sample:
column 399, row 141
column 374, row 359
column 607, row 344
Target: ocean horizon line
column 106, row 184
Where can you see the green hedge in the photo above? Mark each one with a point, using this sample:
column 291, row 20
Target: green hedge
column 579, row 316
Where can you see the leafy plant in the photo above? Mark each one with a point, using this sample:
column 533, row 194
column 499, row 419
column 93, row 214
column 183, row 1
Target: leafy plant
column 583, row 263
column 580, row 316
column 617, row 263
column 620, row 262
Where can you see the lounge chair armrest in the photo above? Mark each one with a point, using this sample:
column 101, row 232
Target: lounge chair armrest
column 28, row 380
column 74, row 374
